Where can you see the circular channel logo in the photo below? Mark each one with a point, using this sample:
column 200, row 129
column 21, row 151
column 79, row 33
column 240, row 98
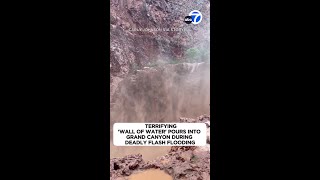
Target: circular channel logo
column 196, row 16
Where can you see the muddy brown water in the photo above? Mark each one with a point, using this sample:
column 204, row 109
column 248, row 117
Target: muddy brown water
column 153, row 174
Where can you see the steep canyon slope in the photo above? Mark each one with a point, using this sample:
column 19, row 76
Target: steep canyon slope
column 131, row 50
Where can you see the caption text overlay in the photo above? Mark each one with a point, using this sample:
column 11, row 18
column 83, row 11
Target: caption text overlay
column 159, row 134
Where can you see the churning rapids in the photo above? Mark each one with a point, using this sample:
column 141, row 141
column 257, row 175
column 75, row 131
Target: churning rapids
column 160, row 94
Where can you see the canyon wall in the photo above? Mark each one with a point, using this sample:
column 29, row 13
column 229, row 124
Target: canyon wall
column 131, row 50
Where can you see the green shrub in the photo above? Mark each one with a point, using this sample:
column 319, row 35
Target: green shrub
column 192, row 54
column 173, row 61
column 134, row 68
column 197, row 55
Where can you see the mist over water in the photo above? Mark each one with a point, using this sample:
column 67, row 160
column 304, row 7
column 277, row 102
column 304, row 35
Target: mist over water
column 161, row 94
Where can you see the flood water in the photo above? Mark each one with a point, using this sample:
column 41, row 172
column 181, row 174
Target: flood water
column 160, row 95
column 153, row 174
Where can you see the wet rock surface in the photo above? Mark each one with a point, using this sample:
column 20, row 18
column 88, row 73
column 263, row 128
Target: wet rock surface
column 130, row 50
column 181, row 162
column 126, row 165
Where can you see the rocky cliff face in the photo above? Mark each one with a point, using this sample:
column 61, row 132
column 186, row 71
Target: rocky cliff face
column 182, row 163
column 132, row 50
